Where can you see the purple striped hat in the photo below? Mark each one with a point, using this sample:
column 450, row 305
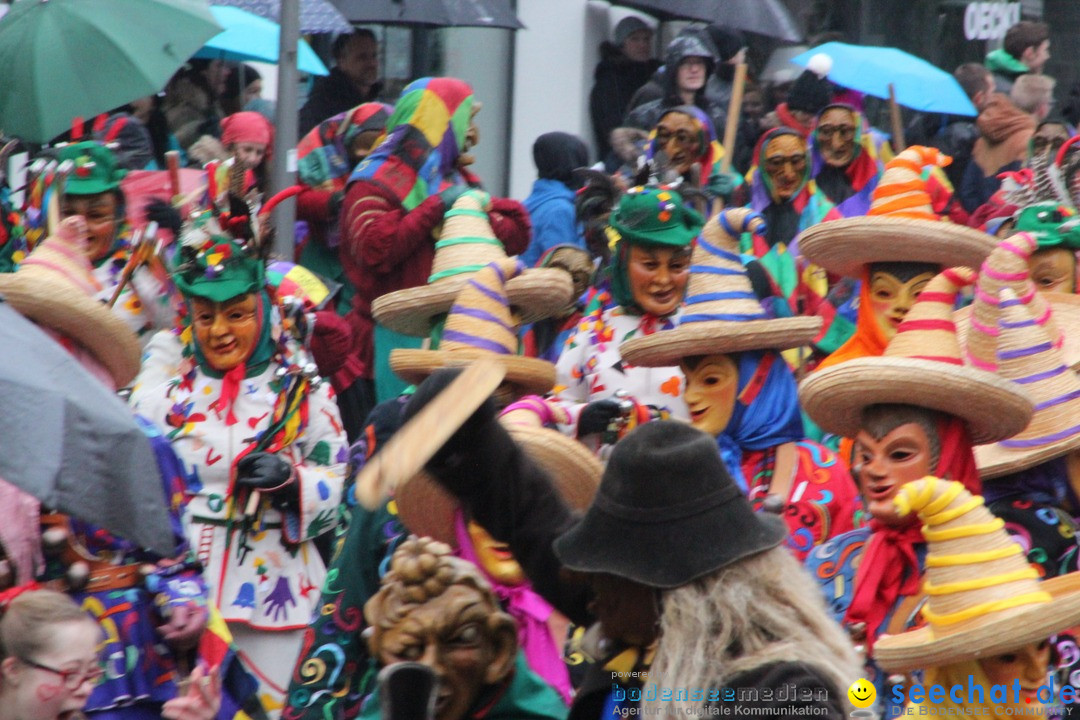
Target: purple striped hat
column 480, row 324
column 1027, row 356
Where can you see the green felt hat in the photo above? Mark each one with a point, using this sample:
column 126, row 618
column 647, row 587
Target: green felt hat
column 655, row 215
column 96, row 170
column 1052, row 225
column 210, row 264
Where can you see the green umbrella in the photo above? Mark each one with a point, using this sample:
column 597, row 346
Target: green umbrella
column 72, row 58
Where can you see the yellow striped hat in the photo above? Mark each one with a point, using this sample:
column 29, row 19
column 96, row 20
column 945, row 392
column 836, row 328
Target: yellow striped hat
column 983, row 597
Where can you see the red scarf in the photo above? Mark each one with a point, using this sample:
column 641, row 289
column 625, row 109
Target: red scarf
column 890, row 567
column 789, row 120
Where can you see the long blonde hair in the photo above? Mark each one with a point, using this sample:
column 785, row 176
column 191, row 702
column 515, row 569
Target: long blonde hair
column 759, row 611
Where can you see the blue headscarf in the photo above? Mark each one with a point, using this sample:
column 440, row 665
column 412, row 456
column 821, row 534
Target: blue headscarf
column 766, row 412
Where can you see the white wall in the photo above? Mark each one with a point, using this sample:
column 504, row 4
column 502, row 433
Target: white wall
column 553, row 75
column 481, row 57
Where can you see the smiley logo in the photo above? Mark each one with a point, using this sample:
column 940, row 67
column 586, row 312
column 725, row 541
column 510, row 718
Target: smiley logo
column 862, row 693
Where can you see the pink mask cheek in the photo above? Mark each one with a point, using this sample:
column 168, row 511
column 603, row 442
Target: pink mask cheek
column 46, row 691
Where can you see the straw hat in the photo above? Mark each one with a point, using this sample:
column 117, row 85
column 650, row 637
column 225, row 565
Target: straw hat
column 466, row 244
column 1027, row 357
column 922, row 367
column 984, row 598
column 55, row 287
column 900, row 227
column 1007, row 267
column 480, row 325
column 426, row 508
column 722, row 313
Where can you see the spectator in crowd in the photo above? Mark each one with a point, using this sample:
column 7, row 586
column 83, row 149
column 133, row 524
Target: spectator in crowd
column 807, row 97
column 1025, row 50
column 688, row 64
column 353, row 80
column 1034, row 94
column 626, row 63
column 191, row 100
column 242, row 85
column 551, row 202
column 955, row 135
column 1002, row 146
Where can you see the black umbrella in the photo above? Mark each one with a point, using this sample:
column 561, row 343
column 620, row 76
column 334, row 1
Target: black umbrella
column 438, row 13
column 73, row 444
column 765, row 17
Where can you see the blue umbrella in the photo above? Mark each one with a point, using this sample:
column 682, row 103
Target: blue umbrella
column 918, row 84
column 250, row 37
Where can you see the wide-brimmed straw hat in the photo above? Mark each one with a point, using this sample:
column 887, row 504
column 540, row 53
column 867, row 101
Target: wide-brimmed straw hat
column 901, row 226
column 426, row 508
column 466, row 244
column 1027, row 357
column 921, row 366
column 722, row 313
column 480, row 325
column 984, row 598
column 1007, row 267
column 55, row 287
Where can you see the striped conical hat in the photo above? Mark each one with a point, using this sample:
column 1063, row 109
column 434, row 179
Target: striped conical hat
column 922, row 366
column 1027, row 357
column 55, row 287
column 983, row 597
column 722, row 313
column 1007, row 267
column 466, row 244
column 900, row 227
column 480, row 324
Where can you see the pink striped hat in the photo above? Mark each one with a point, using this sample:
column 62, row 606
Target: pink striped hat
column 1007, row 267
column 922, row 366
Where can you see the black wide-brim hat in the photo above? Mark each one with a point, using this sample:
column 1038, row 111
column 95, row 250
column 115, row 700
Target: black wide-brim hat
column 667, row 512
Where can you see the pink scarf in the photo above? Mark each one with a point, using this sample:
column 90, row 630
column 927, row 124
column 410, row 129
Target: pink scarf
column 530, row 612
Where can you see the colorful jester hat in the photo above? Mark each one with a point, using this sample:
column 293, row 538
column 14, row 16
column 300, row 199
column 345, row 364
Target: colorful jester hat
column 210, row 264
column 95, row 169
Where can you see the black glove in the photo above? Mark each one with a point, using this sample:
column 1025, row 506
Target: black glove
column 263, row 471
column 469, row 435
column 596, row 416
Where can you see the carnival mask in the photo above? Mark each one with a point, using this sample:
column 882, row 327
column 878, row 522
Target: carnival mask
column 495, row 557
column 891, row 298
column 882, row 467
column 836, row 136
column 679, row 136
column 1028, row 665
column 711, row 385
column 785, row 164
column 437, row 610
column 226, row 332
column 100, row 213
column 1053, row 270
column 472, row 138
column 658, row 277
column 1048, row 139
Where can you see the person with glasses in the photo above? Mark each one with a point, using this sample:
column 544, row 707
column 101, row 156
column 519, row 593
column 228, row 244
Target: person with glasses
column 790, row 202
column 49, row 662
column 845, row 160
